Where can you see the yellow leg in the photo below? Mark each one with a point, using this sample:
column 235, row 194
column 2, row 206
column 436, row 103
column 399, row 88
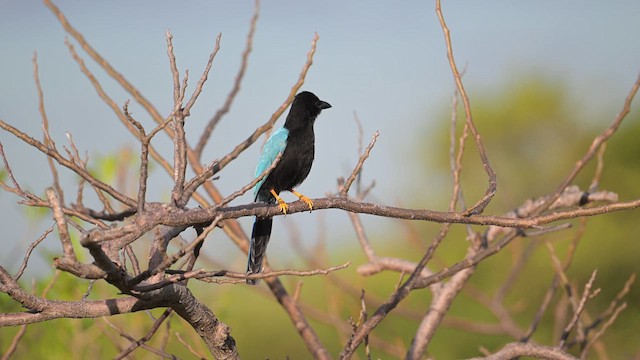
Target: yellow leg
column 281, row 203
column 304, row 198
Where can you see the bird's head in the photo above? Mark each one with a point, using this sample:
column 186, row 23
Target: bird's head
column 305, row 108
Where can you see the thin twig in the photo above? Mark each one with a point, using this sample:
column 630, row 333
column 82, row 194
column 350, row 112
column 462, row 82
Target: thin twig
column 45, row 127
column 143, row 340
column 103, row 63
column 112, row 104
column 130, row 338
column 356, row 119
column 597, row 174
column 206, row 133
column 252, row 184
column 401, row 293
column 191, row 350
column 481, row 204
column 68, row 164
column 203, row 78
column 16, row 185
column 14, row 343
column 599, row 141
column 602, row 330
column 586, row 295
column 236, row 277
column 179, row 140
column 32, row 246
column 134, row 260
column 135, row 93
column 362, row 238
column 358, row 168
column 172, row 259
column 174, row 69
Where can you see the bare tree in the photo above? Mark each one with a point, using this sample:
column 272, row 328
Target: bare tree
column 109, row 233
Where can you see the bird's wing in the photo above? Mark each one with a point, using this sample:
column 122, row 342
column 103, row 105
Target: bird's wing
column 275, row 145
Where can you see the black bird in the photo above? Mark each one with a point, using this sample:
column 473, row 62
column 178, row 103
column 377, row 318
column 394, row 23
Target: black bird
column 295, row 140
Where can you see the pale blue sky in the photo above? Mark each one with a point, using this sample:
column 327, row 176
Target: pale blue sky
column 384, row 60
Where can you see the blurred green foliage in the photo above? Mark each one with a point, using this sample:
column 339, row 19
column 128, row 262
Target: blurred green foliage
column 534, row 132
column 105, row 167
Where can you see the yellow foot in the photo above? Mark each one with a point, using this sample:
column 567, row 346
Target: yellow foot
column 283, row 206
column 281, row 203
column 308, row 201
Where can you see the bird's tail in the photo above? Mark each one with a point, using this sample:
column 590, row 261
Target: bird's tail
column 259, row 240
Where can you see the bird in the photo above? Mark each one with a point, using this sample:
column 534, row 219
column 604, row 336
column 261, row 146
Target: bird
column 295, row 141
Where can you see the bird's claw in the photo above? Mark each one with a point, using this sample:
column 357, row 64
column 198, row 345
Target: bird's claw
column 308, row 201
column 283, row 207
column 304, row 198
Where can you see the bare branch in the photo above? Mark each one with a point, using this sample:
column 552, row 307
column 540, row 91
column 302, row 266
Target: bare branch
column 479, row 206
column 252, row 184
column 203, row 79
column 16, row 186
column 265, row 210
column 362, row 239
column 67, row 163
column 602, row 330
column 45, row 127
column 145, row 141
column 111, row 103
column 191, row 350
column 401, row 293
column 456, row 160
column 172, row 259
column 14, row 343
column 514, row 350
column 103, row 63
column 30, row 250
column 206, row 133
column 137, row 343
column 586, row 295
column 595, row 145
column 174, row 70
column 43, row 309
column 439, row 307
column 358, row 168
column 63, row 229
column 179, row 141
column 272, row 273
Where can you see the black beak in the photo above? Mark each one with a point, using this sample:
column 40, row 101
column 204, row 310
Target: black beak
column 322, row 105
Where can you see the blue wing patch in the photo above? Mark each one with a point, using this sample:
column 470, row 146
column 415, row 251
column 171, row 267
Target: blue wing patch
column 275, row 145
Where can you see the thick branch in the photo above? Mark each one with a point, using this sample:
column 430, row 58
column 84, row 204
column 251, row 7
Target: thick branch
column 178, row 297
column 195, row 216
column 63, row 229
